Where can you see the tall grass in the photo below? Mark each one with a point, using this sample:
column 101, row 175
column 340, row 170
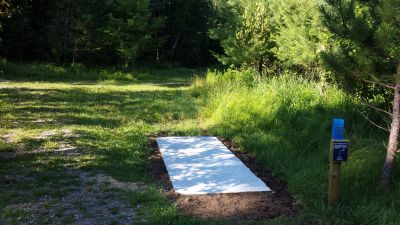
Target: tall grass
column 286, row 122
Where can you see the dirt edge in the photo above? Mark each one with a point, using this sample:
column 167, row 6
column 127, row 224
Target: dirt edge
column 232, row 206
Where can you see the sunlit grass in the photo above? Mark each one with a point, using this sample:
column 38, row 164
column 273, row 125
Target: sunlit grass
column 105, row 124
column 285, row 123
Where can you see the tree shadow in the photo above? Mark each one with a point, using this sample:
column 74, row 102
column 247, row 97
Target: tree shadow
column 106, row 109
column 294, row 144
column 112, row 124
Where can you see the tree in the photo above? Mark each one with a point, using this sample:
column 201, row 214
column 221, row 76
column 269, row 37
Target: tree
column 134, row 27
column 244, row 29
column 6, row 8
column 367, row 48
column 125, row 28
column 6, row 11
column 185, row 33
column 107, row 31
column 300, row 35
column 25, row 33
column 67, row 29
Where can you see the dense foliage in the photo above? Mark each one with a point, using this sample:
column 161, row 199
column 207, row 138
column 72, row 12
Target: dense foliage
column 262, row 34
column 106, row 32
column 99, row 31
column 257, row 34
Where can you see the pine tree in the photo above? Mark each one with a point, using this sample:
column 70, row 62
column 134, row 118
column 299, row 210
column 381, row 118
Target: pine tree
column 367, row 47
column 6, row 9
column 300, row 35
column 102, row 31
column 133, row 27
column 185, row 33
column 244, row 29
column 67, row 29
column 25, row 33
column 124, row 29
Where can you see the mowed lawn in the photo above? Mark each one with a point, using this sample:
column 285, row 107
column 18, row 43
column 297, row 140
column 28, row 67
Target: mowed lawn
column 76, row 153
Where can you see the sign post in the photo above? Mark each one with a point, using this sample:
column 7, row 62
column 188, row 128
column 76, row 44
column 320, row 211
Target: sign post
column 338, row 154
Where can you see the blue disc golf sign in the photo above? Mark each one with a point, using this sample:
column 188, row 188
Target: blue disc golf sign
column 340, row 151
column 338, row 129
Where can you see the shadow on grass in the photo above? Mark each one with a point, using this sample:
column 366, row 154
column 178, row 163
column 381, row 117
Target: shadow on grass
column 110, row 134
column 113, row 125
column 294, row 144
column 84, row 107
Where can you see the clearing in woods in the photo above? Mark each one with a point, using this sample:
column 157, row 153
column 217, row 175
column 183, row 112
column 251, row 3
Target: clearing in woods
column 78, row 153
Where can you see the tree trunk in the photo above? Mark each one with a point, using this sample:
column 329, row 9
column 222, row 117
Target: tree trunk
column 74, row 52
column 175, row 43
column 66, row 27
column 260, row 68
column 393, row 137
column 77, row 28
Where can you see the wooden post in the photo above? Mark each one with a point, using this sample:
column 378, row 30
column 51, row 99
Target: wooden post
column 338, row 153
column 334, row 178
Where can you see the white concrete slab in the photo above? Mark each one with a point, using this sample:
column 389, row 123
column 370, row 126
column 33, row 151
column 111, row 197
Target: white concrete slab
column 204, row 165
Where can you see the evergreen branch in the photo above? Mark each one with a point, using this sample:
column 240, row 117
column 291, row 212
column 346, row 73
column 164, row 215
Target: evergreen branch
column 378, row 109
column 373, row 123
column 379, row 83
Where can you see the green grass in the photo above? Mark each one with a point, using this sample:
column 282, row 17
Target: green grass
column 110, row 121
column 107, row 115
column 80, row 74
column 285, row 123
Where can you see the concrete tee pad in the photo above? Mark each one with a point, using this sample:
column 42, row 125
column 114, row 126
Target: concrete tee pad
column 204, row 165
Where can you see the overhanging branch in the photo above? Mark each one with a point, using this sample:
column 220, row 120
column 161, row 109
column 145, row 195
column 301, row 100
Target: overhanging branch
column 379, row 83
column 380, row 110
column 373, row 123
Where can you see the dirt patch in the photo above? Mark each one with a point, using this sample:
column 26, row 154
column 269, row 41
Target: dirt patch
column 113, row 183
column 66, row 149
column 67, row 133
column 84, row 202
column 8, row 138
column 47, row 134
column 63, row 147
column 232, row 206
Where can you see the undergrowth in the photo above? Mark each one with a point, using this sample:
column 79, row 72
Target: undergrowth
column 81, row 74
column 285, row 122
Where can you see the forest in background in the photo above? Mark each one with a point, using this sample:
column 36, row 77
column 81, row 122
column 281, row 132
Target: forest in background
column 285, row 68
column 354, row 44
column 107, row 32
column 318, row 39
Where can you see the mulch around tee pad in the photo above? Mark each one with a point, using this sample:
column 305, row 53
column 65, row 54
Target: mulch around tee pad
column 231, row 206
